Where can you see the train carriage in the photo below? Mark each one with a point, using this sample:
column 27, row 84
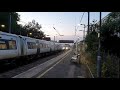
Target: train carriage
column 9, row 46
column 52, row 46
column 15, row 46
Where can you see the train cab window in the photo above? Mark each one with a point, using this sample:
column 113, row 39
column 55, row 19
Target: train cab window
column 12, row 44
column 3, row 45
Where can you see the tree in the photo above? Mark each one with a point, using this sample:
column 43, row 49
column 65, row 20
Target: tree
column 4, row 20
column 33, row 30
column 110, row 44
column 110, row 34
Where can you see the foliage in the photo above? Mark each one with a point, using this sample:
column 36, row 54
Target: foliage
column 32, row 29
column 110, row 31
column 110, row 44
column 92, row 41
column 110, row 66
column 5, row 19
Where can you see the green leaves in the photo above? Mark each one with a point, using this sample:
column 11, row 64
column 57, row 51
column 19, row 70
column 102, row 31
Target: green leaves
column 110, row 42
column 92, row 41
column 32, row 29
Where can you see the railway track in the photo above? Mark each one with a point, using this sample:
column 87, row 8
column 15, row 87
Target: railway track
column 40, row 69
column 8, row 70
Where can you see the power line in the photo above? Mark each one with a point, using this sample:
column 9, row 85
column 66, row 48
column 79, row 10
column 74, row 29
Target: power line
column 56, row 31
column 81, row 18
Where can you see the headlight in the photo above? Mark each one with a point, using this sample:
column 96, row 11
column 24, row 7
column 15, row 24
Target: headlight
column 66, row 47
column 63, row 47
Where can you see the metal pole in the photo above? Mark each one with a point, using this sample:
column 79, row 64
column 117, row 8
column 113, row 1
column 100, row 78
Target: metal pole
column 84, row 33
column 88, row 22
column 76, row 47
column 10, row 24
column 54, row 38
column 99, row 55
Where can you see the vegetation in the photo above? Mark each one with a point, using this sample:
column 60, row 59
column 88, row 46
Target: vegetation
column 110, row 45
column 4, row 20
column 32, row 29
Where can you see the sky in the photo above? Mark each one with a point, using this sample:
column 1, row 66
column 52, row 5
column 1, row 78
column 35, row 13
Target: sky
column 64, row 22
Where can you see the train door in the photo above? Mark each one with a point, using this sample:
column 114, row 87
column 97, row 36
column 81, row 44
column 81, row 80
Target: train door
column 22, row 46
column 38, row 47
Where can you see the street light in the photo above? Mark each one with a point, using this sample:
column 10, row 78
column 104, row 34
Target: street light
column 3, row 26
column 83, row 32
column 99, row 55
column 10, row 23
column 30, row 33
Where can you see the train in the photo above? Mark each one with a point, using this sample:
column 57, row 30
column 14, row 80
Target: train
column 16, row 46
column 66, row 47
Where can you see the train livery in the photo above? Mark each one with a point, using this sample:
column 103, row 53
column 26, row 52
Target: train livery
column 15, row 46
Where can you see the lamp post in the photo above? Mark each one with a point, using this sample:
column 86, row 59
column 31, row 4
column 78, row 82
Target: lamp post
column 84, row 32
column 10, row 23
column 2, row 26
column 88, row 23
column 54, row 38
column 29, row 34
column 99, row 55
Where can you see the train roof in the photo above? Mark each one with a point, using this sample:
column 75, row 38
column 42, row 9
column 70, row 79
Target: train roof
column 8, row 34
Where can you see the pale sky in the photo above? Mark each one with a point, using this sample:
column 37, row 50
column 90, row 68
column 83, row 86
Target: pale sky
column 64, row 22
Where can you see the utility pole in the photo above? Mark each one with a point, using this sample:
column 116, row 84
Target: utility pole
column 10, row 23
column 54, row 38
column 99, row 55
column 88, row 22
column 76, row 47
column 84, row 34
column 75, row 35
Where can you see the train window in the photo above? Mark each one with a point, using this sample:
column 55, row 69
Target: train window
column 12, row 44
column 45, row 46
column 3, row 45
column 37, row 45
column 31, row 45
column 41, row 45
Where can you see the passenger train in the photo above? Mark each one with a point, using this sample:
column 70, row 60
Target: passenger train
column 16, row 46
